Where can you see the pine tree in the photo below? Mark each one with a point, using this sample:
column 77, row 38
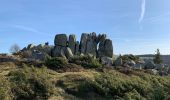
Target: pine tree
column 157, row 58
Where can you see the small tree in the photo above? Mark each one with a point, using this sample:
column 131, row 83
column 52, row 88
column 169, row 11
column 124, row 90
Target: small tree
column 14, row 48
column 157, row 58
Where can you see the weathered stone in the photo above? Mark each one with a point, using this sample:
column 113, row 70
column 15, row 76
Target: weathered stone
column 40, row 46
column 131, row 63
column 72, row 43
column 77, row 52
column 30, row 46
column 137, row 66
column 159, row 66
column 38, row 55
column 91, row 46
column 101, row 50
column 107, row 61
column 101, row 37
column 118, row 62
column 105, row 48
column 149, row 65
column 24, row 49
column 68, row 53
column 60, row 40
column 58, row 51
column 83, row 43
column 153, row 71
column 108, row 48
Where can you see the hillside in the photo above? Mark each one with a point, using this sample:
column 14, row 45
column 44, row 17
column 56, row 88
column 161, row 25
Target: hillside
column 24, row 81
column 85, row 70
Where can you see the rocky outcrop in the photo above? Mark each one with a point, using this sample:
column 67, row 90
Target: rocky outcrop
column 58, row 51
column 107, row 61
column 60, row 40
column 118, row 62
column 149, row 65
column 77, row 48
column 68, row 53
column 30, row 46
column 39, row 52
column 90, row 44
column 72, row 43
column 83, row 43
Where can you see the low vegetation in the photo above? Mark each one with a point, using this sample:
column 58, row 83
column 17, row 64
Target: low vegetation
column 28, row 82
column 86, row 61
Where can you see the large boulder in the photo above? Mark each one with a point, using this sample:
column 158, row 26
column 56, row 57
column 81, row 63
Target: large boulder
column 58, row 51
column 149, row 65
column 137, row 66
column 40, row 46
column 108, row 48
column 30, row 46
column 105, row 48
column 131, row 63
column 101, row 49
column 60, row 40
column 83, row 43
column 91, row 46
column 77, row 48
column 118, row 62
column 68, row 53
column 72, row 43
column 107, row 61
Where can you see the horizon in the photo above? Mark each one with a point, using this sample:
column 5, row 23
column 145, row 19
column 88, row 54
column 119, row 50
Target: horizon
column 135, row 27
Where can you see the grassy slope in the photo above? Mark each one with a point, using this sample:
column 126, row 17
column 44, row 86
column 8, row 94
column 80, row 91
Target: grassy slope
column 104, row 84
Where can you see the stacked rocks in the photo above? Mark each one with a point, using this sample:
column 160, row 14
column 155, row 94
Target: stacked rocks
column 90, row 44
column 61, row 48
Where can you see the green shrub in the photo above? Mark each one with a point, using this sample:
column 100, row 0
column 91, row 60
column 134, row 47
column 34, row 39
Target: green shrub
column 56, row 63
column 86, row 61
column 158, row 94
column 114, row 85
column 31, row 83
column 129, row 57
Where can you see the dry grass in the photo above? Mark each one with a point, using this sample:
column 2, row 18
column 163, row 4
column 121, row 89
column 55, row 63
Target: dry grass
column 6, row 67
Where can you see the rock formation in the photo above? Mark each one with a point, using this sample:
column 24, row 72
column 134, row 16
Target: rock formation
column 88, row 45
column 72, row 43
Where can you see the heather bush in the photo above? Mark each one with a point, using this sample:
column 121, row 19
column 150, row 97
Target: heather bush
column 56, row 63
column 86, row 61
column 31, row 83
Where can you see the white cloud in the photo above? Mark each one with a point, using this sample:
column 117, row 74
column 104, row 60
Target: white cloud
column 142, row 14
column 26, row 28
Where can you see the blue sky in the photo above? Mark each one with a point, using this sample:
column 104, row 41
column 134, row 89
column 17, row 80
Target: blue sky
column 135, row 26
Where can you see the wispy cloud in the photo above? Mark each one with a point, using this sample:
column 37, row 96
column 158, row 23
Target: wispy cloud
column 26, row 28
column 142, row 14
column 30, row 29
